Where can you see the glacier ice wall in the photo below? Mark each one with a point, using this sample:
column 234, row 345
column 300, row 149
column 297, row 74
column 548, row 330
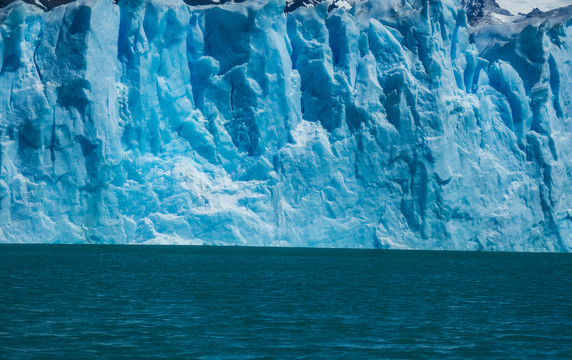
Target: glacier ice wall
column 388, row 125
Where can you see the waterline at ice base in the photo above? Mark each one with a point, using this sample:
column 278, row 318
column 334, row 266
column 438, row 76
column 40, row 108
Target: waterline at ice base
column 369, row 124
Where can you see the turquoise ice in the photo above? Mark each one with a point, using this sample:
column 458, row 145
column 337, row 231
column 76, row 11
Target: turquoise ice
column 389, row 124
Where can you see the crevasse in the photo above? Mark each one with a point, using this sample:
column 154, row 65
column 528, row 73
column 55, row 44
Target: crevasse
column 391, row 125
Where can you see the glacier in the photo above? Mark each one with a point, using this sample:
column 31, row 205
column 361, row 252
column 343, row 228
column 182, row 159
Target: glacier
column 386, row 124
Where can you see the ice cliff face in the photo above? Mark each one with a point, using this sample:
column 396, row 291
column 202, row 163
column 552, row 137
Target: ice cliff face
column 390, row 125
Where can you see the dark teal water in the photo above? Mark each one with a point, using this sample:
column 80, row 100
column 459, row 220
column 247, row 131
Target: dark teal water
column 134, row 302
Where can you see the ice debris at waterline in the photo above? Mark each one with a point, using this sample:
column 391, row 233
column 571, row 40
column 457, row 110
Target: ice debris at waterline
column 388, row 125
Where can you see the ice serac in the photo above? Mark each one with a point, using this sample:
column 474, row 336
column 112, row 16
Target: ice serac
column 392, row 125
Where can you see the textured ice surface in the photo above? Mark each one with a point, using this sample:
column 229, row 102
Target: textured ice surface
column 387, row 125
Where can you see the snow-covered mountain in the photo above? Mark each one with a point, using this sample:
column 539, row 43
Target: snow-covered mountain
column 394, row 124
column 490, row 12
column 483, row 12
column 516, row 7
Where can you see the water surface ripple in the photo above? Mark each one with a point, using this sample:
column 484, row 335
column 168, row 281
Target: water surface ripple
column 135, row 302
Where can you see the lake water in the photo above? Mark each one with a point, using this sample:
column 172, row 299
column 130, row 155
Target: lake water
column 152, row 302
